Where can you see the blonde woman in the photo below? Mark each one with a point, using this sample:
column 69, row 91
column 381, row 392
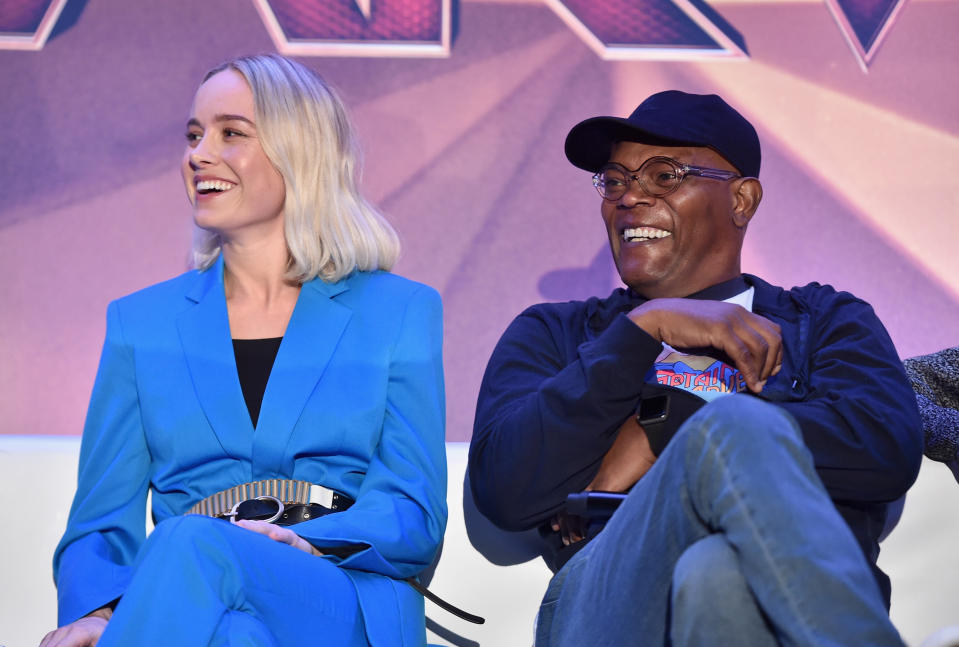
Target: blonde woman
column 289, row 385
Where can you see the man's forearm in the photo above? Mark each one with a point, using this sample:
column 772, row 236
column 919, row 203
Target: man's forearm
column 545, row 420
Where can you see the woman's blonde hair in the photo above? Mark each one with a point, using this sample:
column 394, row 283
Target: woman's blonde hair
column 331, row 230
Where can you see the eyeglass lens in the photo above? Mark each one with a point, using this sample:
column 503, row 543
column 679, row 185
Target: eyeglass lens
column 656, row 177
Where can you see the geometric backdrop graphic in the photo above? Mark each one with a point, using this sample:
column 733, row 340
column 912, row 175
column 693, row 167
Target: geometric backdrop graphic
column 26, row 24
column 22, row 16
column 359, row 27
column 865, row 23
column 301, row 19
column 651, row 29
column 464, row 155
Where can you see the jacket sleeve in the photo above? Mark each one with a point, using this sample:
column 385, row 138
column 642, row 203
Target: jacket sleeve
column 546, row 416
column 935, row 379
column 400, row 512
column 859, row 417
column 106, row 525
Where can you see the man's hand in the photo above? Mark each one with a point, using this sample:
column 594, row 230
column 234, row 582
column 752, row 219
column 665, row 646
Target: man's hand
column 280, row 534
column 570, row 527
column 627, row 460
column 84, row 632
column 753, row 343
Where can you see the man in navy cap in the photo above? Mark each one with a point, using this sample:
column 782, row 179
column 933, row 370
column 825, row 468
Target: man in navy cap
column 760, row 433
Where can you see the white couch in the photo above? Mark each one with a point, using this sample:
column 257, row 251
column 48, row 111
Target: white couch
column 38, row 474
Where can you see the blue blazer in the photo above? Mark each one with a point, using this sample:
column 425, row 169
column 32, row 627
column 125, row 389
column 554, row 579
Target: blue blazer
column 355, row 402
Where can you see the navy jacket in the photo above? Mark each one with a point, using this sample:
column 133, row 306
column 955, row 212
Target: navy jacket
column 565, row 376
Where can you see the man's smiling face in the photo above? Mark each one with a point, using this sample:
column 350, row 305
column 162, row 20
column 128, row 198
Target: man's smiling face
column 683, row 242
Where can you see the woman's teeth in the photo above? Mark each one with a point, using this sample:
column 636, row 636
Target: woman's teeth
column 640, row 234
column 209, row 186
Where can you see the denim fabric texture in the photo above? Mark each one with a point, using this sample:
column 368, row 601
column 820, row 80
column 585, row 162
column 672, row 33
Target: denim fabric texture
column 736, row 493
column 710, row 602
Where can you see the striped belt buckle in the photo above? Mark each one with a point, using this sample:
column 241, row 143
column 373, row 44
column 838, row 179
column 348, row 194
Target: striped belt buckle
column 283, row 492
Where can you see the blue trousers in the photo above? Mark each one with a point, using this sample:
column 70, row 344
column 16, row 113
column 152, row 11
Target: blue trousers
column 202, row 581
column 730, row 539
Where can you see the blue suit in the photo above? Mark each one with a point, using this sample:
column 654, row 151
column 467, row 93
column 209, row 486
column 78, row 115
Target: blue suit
column 354, row 402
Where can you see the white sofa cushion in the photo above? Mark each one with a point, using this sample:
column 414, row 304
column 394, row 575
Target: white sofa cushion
column 39, row 473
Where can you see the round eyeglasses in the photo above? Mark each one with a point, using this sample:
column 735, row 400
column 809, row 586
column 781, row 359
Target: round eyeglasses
column 658, row 176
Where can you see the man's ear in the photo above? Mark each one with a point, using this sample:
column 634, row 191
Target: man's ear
column 748, row 194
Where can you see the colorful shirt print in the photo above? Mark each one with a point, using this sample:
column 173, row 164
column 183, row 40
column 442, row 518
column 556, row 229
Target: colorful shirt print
column 702, row 375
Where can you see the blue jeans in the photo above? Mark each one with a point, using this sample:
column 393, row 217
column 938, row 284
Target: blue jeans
column 730, row 539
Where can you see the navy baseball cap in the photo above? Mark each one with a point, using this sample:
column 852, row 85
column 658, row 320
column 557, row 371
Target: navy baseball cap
column 670, row 118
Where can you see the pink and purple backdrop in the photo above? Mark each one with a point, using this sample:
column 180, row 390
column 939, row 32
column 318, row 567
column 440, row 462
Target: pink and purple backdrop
column 855, row 101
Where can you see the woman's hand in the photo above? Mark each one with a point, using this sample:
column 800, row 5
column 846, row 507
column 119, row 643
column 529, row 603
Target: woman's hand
column 280, row 534
column 85, row 632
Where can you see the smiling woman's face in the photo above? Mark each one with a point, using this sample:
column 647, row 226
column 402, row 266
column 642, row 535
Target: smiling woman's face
column 229, row 179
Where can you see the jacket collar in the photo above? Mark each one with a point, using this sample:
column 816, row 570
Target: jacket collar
column 773, row 300
column 312, row 335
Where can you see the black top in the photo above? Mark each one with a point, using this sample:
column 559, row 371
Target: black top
column 254, row 361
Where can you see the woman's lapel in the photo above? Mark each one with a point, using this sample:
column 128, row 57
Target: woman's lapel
column 311, row 337
column 205, row 336
column 310, row 340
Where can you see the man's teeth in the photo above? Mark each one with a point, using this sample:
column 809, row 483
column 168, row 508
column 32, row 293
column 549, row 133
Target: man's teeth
column 644, row 233
column 206, row 186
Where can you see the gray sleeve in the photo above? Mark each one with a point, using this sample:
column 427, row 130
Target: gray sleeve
column 935, row 379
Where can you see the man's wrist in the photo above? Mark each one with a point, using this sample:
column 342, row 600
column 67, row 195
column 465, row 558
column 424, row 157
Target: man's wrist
column 644, row 317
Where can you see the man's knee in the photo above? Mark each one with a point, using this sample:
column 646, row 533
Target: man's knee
column 710, row 600
column 746, row 412
column 706, row 572
column 746, row 418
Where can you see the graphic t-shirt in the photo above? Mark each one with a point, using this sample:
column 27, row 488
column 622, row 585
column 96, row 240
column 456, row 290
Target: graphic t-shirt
column 702, row 375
